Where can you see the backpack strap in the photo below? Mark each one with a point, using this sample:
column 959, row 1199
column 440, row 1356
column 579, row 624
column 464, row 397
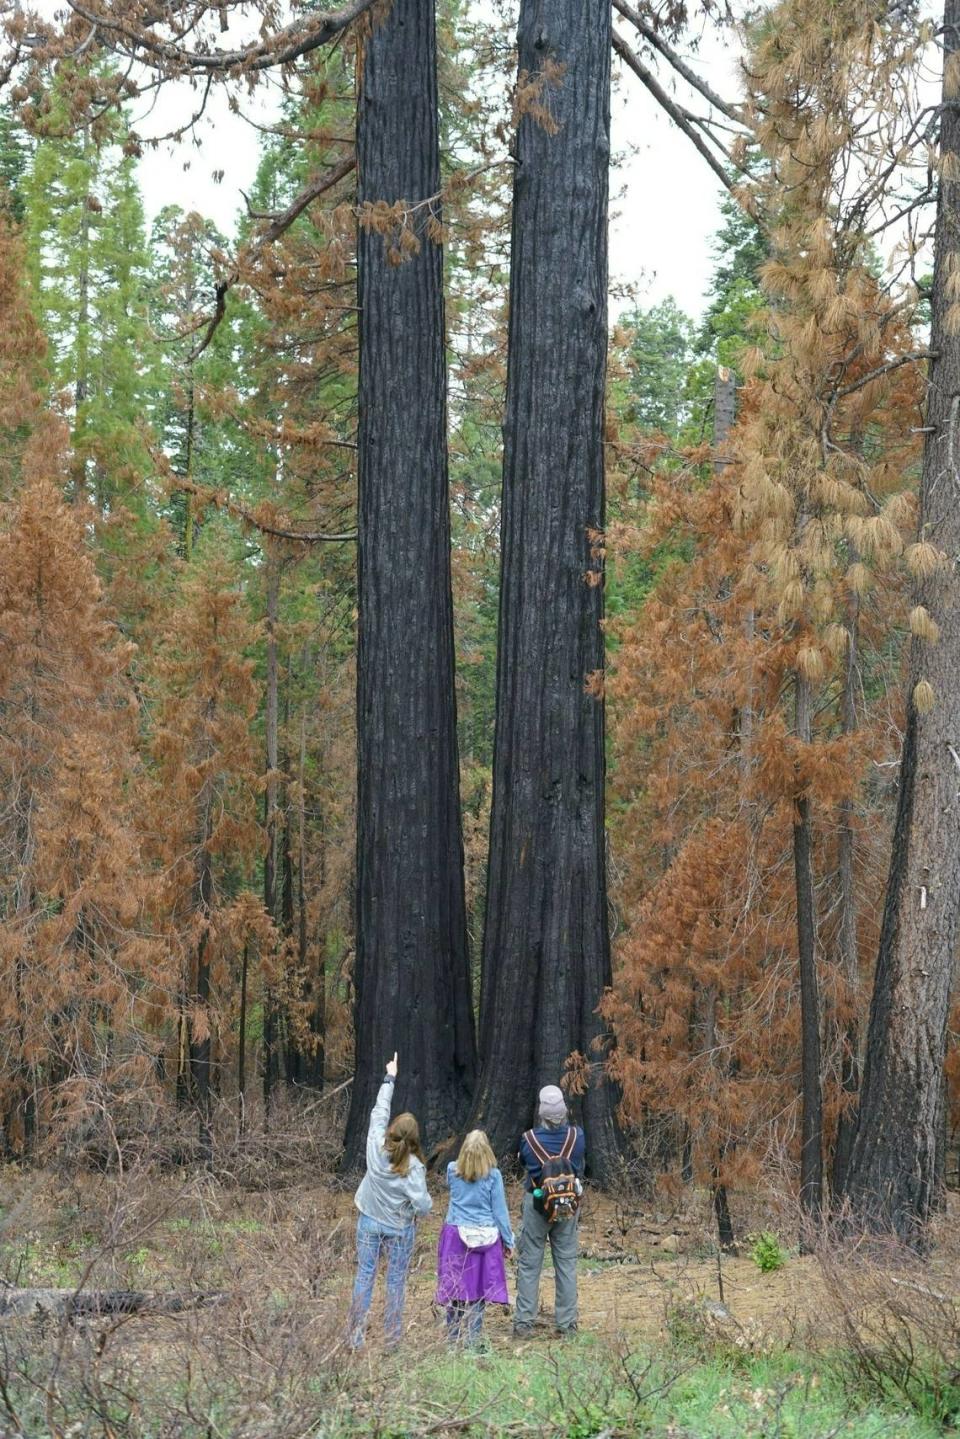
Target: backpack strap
column 568, row 1143
column 537, row 1147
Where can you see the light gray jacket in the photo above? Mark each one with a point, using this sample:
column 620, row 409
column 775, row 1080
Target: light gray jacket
column 393, row 1200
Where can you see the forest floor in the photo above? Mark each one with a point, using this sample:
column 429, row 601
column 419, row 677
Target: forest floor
column 790, row 1354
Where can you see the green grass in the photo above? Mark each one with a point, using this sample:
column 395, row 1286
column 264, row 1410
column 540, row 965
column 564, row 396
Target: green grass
column 580, row 1391
column 30, row 1262
column 702, row 1382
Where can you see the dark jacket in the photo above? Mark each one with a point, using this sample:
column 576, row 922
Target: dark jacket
column 552, row 1142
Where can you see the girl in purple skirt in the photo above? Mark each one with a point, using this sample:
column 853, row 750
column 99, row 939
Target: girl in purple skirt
column 474, row 1240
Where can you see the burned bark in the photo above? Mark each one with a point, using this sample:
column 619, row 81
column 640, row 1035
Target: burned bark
column 847, row 946
column 893, row 1173
column 412, row 972
column 546, row 955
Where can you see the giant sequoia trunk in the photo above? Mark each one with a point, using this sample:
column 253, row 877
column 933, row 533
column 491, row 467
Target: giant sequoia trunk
column 546, row 956
column 412, row 967
column 892, row 1176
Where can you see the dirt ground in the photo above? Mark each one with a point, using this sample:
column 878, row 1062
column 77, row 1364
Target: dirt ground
column 639, row 1267
column 635, row 1270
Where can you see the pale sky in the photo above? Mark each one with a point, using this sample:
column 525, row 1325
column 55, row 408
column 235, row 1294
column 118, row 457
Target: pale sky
column 664, row 197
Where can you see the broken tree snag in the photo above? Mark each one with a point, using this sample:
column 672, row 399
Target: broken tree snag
column 92, row 1303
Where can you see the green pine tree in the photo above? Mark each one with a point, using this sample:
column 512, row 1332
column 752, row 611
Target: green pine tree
column 84, row 226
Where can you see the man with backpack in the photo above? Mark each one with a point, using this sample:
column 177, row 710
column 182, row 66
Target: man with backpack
column 553, row 1155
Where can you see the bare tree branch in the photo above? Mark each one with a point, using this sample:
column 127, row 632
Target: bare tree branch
column 278, row 226
column 908, row 359
column 220, row 500
column 288, row 44
column 924, row 198
column 678, row 115
column 654, row 38
column 295, row 209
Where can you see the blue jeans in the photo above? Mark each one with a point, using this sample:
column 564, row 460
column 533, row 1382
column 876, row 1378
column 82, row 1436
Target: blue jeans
column 372, row 1241
column 465, row 1322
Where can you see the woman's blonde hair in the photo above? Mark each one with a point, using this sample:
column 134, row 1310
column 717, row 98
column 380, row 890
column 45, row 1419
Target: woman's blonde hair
column 403, row 1139
column 476, row 1158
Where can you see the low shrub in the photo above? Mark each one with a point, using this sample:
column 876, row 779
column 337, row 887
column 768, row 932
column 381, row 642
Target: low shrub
column 767, row 1252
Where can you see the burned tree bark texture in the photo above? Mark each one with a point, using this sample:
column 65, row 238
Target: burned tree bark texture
column 811, row 1093
column 724, row 419
column 892, row 1176
column 546, row 957
column 412, row 964
column 847, row 947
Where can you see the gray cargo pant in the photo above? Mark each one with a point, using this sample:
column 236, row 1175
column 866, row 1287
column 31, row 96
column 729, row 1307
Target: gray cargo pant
column 531, row 1247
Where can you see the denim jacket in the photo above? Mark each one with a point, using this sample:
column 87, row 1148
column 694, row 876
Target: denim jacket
column 392, row 1200
column 480, row 1202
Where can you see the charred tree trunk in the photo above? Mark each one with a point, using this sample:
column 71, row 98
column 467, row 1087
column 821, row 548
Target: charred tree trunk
column 847, row 947
column 546, row 954
column 726, row 1237
column 201, row 1045
column 21, row 1120
column 724, row 419
column 893, row 1173
column 242, row 1042
column 295, row 1057
column 811, row 1144
column 269, row 1049
column 317, row 982
column 721, row 1203
column 188, row 497
column 724, row 413
column 270, row 816
column 183, row 1047
column 412, row 974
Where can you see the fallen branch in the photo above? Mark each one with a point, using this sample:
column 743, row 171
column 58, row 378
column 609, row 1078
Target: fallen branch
column 329, row 1095
column 920, row 1289
column 91, row 1303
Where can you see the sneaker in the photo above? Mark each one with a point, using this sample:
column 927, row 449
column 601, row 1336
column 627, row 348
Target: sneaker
column 571, row 1331
column 523, row 1331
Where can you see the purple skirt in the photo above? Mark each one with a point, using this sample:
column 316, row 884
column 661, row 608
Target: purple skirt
column 469, row 1274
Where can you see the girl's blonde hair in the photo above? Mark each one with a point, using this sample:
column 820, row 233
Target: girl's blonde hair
column 401, row 1140
column 476, row 1158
